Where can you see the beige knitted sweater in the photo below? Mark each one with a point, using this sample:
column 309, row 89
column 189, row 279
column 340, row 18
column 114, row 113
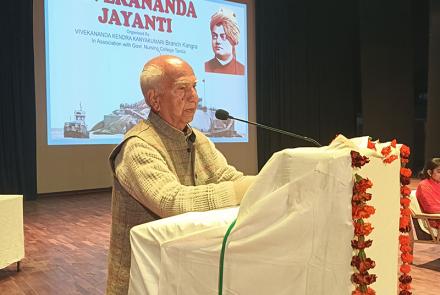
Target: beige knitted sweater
column 158, row 172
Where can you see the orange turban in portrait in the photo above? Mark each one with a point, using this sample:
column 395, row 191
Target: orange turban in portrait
column 228, row 19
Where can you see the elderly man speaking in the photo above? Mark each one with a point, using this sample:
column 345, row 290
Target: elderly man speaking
column 163, row 167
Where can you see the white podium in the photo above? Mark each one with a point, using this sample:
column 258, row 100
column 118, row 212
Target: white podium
column 292, row 235
column 11, row 229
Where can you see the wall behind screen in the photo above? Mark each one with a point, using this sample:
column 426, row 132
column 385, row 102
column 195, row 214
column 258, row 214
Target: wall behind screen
column 70, row 168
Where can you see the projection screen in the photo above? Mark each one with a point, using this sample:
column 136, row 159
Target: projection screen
column 95, row 51
column 88, row 57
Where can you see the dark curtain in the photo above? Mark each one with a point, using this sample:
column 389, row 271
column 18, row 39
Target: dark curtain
column 388, row 69
column 17, row 111
column 421, row 16
column 432, row 148
column 307, row 62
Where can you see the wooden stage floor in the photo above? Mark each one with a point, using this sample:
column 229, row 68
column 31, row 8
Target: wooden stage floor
column 67, row 238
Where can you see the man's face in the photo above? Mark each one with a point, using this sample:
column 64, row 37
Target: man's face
column 220, row 43
column 179, row 99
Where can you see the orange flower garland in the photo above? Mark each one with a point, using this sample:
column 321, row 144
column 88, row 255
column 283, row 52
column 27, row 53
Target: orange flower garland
column 405, row 224
column 360, row 211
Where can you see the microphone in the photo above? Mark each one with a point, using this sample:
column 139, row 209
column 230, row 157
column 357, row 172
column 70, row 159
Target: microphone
column 224, row 115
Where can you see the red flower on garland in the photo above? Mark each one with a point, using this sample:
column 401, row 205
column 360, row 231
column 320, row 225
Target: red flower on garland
column 363, row 211
column 404, row 224
column 405, row 248
column 406, row 257
column 405, row 212
column 405, row 279
column 404, row 151
column 386, row 150
column 366, row 265
column 361, row 197
column 404, row 240
column 357, row 160
column 362, row 229
column 363, row 265
column 405, row 172
column 404, row 180
column 371, row 145
column 362, row 185
column 390, row 159
column 363, row 279
column 404, row 160
column 405, row 268
column 361, row 244
column 405, row 202
column 405, row 191
column 405, row 287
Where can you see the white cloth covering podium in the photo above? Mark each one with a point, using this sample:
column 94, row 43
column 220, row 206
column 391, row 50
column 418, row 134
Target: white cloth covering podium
column 292, row 236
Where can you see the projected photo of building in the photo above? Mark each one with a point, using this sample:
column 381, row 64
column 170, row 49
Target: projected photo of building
column 128, row 115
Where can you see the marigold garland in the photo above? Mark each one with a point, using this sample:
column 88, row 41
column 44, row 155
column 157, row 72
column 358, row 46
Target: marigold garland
column 405, row 223
column 360, row 211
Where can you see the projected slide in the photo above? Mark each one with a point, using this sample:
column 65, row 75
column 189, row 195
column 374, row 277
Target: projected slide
column 95, row 51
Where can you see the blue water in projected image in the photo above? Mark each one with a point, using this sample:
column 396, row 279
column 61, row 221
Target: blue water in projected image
column 93, row 67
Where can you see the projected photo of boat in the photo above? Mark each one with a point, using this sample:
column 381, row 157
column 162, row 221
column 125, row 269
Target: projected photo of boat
column 128, row 115
column 77, row 128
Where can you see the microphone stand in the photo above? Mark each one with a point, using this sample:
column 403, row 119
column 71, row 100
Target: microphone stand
column 311, row 140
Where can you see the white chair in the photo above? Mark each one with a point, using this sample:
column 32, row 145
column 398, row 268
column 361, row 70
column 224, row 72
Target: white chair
column 422, row 221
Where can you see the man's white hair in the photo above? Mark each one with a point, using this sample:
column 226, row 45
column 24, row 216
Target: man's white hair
column 151, row 78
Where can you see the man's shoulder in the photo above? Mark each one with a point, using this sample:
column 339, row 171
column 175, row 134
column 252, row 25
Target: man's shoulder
column 142, row 131
column 200, row 136
column 137, row 131
column 142, row 127
column 202, row 140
